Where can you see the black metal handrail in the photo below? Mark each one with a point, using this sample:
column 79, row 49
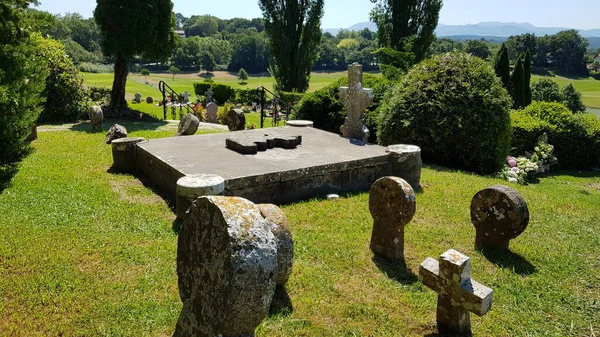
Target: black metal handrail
column 281, row 107
column 166, row 90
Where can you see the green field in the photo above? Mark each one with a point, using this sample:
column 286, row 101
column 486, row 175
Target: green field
column 588, row 87
column 86, row 252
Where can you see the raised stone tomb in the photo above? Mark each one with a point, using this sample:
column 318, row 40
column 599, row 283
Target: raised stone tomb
column 324, row 163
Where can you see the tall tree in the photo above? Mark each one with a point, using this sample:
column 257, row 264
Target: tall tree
column 406, row 23
column 502, row 66
column 130, row 28
column 518, row 84
column 478, row 48
column 527, row 79
column 518, row 44
column 294, row 28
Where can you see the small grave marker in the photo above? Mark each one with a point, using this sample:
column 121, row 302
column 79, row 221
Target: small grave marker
column 209, row 95
column 499, row 214
column 186, row 96
column 392, row 203
column 458, row 293
column 211, row 112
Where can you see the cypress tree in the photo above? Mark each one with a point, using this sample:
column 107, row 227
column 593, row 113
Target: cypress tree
column 527, row 79
column 518, row 84
column 502, row 66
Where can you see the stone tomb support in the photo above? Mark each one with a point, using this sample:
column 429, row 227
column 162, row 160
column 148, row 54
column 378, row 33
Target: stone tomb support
column 226, row 265
column 458, row 293
column 392, row 203
column 355, row 100
column 124, row 152
column 405, row 162
column 189, row 188
column 499, row 214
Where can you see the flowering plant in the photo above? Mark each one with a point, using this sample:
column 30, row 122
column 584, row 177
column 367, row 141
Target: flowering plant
column 517, row 170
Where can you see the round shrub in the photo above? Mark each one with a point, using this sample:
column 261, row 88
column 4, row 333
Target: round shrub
column 575, row 137
column 545, row 90
column 454, row 107
column 222, row 93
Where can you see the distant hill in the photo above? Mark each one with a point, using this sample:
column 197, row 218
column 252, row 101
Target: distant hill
column 484, row 29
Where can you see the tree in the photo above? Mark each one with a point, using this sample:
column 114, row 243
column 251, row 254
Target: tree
column 131, row 28
column 243, row 76
column 251, row 52
column 527, row 78
column 294, row 30
column 572, row 99
column 518, row 84
column 204, row 26
column 518, row 44
column 478, row 48
column 546, row 90
column 502, row 66
column 145, row 72
column 402, row 23
column 173, row 70
column 568, row 50
column 208, row 62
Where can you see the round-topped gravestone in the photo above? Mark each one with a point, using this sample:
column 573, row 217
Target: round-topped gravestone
column 188, row 125
column 226, row 263
column 392, row 203
column 300, row 123
column 124, row 152
column 499, row 214
column 189, row 188
column 405, row 161
column 116, row 131
column 211, row 112
column 235, row 120
column 285, row 244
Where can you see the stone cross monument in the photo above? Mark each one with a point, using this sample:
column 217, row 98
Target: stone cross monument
column 457, row 292
column 355, row 99
column 209, row 95
column 186, row 96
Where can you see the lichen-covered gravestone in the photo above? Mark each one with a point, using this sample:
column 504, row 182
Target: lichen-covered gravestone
column 235, row 120
column 458, row 293
column 392, row 203
column 137, row 97
column 226, row 265
column 285, row 244
column 211, row 112
column 355, row 100
column 499, row 214
column 96, row 117
column 188, row 125
column 116, row 131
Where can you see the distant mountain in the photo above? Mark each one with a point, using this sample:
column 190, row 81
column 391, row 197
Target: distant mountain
column 484, row 29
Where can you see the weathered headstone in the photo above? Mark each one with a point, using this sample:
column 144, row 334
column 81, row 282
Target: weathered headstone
column 235, row 120
column 251, row 145
column 392, row 203
column 188, row 125
column 458, row 294
column 355, row 100
column 405, row 162
column 149, row 100
column 499, row 214
column 96, row 117
column 285, row 244
column 116, row 131
column 209, row 95
column 189, row 188
column 186, row 96
column 137, row 98
column 211, row 112
column 226, row 263
column 124, row 152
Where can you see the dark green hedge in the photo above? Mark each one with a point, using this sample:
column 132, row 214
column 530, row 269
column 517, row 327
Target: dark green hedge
column 454, row 107
column 200, row 88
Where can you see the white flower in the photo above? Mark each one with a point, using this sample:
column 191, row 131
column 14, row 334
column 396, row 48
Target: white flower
column 512, row 180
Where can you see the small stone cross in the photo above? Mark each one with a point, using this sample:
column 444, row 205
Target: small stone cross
column 186, row 96
column 209, row 95
column 355, row 100
column 457, row 292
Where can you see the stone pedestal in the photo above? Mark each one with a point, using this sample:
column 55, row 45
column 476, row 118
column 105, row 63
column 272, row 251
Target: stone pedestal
column 405, row 162
column 124, row 152
column 392, row 203
column 300, row 123
column 499, row 214
column 458, row 293
column 189, row 188
column 226, row 263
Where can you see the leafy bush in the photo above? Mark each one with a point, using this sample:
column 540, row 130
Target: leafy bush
column 93, row 92
column 546, row 90
column 245, row 96
column 96, row 68
column 200, row 88
column 145, row 72
column 454, row 107
column 576, row 137
column 222, row 93
column 65, row 96
column 571, row 98
column 290, row 97
column 328, row 113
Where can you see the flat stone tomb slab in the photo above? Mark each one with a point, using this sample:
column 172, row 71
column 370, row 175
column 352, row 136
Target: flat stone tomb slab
column 323, row 163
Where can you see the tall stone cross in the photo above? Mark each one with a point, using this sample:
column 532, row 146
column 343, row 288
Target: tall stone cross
column 457, row 292
column 186, row 96
column 209, row 94
column 355, row 99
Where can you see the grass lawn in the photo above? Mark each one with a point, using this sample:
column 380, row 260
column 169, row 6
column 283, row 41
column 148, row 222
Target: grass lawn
column 588, row 87
column 85, row 252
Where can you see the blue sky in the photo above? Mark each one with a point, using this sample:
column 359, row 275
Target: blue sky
column 582, row 14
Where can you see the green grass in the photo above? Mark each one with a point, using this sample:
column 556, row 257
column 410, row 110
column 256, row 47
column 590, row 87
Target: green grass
column 588, row 87
column 181, row 83
column 84, row 252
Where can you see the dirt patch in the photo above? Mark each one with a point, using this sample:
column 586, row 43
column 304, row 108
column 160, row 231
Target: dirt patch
column 595, row 186
column 129, row 190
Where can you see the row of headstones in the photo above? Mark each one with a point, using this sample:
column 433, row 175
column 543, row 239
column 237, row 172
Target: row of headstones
column 232, row 254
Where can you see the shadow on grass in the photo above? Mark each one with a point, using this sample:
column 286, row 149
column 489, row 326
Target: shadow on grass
column 7, row 172
column 281, row 303
column 510, row 260
column 130, row 125
column 396, row 270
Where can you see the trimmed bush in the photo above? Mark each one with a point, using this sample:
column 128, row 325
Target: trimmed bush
column 290, row 97
column 222, row 93
column 454, row 107
column 576, row 137
column 200, row 88
column 246, row 96
column 545, row 90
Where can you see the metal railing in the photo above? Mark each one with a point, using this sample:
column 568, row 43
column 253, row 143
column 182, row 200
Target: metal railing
column 280, row 109
column 177, row 101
